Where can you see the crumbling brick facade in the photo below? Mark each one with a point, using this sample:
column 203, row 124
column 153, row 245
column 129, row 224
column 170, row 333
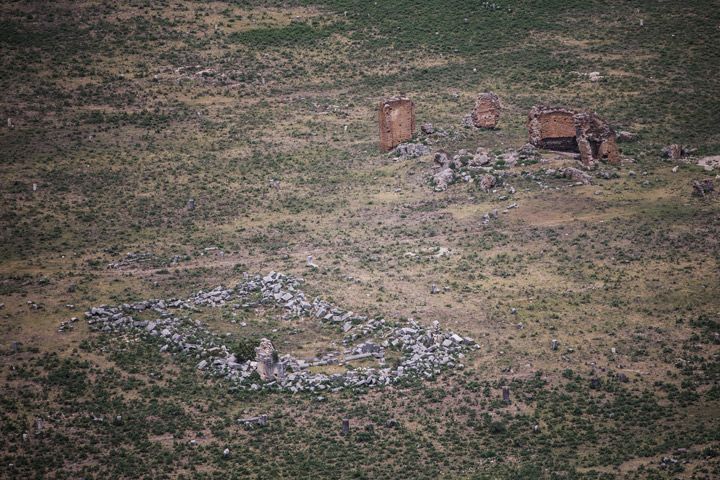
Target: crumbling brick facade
column 552, row 128
column 396, row 118
column 596, row 140
column 487, row 111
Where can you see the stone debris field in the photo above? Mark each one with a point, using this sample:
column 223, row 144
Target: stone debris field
column 424, row 351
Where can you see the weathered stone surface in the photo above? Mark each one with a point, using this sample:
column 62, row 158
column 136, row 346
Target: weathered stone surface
column 577, row 175
column 411, row 150
column 268, row 364
column 396, row 118
column 443, row 178
column 703, row 187
column 552, row 128
column 481, row 158
column 487, row 111
column 595, row 139
column 486, row 182
column 427, row 128
column 673, row 152
column 442, row 158
column 625, row 136
column 709, row 163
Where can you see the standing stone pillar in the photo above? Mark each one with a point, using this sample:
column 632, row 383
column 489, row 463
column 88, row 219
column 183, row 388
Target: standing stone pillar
column 487, row 111
column 346, row 426
column 506, row 395
column 396, row 119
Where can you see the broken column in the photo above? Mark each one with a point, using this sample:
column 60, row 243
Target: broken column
column 506, row 395
column 487, row 111
column 396, row 118
column 268, row 364
column 552, row 128
column 595, row 139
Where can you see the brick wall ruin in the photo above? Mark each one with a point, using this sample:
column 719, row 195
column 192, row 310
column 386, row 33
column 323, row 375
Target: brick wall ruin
column 596, row 140
column 552, row 128
column 487, row 111
column 396, row 118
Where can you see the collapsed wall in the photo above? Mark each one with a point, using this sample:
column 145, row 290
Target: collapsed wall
column 596, row 140
column 562, row 129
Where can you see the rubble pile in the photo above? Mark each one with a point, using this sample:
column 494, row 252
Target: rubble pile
column 424, row 351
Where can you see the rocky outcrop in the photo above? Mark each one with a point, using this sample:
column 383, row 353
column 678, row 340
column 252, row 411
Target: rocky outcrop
column 396, row 119
column 595, row 139
column 674, row 152
column 487, row 111
column 710, row 163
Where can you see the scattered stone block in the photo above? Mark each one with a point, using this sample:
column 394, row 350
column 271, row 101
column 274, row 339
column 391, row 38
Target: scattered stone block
column 710, row 163
column 625, row 136
column 577, row 175
column 703, row 187
column 346, row 426
column 487, row 111
column 427, row 128
column 396, row 118
column 411, row 150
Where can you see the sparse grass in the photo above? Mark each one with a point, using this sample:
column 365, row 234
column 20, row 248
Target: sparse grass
column 122, row 113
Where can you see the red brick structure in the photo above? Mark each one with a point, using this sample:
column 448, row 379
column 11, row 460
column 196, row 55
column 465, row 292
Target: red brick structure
column 596, row 140
column 396, row 118
column 552, row 128
column 487, row 111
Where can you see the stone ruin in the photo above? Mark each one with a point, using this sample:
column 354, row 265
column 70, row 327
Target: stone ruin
column 552, row 128
column 268, row 363
column 396, row 118
column 596, row 140
column 419, row 351
column 561, row 129
column 703, row 187
column 487, row 111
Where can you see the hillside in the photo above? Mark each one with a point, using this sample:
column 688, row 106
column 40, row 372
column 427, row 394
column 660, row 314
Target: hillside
column 159, row 150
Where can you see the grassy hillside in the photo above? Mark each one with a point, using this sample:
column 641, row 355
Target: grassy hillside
column 264, row 113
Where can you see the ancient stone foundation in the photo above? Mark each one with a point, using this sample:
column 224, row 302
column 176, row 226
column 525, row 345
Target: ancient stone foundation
column 552, row 128
column 396, row 118
column 487, row 111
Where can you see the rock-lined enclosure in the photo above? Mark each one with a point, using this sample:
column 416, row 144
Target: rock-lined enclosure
column 424, row 351
column 396, row 120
